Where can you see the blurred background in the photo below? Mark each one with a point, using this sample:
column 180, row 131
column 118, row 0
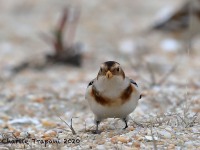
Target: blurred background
column 157, row 44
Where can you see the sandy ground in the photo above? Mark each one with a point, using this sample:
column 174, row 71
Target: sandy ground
column 33, row 101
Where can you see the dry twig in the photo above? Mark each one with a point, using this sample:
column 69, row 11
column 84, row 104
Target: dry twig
column 153, row 139
column 70, row 126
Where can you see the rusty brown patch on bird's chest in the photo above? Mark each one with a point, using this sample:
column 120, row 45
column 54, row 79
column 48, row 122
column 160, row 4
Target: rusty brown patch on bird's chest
column 125, row 96
column 100, row 99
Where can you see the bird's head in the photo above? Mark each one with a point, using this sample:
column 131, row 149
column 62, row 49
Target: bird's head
column 110, row 69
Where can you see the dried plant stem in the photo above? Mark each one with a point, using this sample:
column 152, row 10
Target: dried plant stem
column 154, row 141
column 193, row 120
column 70, row 126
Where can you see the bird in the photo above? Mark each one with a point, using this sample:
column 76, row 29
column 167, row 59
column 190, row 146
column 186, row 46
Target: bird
column 111, row 94
column 183, row 23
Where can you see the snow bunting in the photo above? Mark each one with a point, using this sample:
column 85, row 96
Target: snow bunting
column 111, row 94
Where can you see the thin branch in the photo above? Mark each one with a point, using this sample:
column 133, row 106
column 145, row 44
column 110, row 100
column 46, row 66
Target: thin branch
column 193, row 120
column 70, row 126
column 154, row 141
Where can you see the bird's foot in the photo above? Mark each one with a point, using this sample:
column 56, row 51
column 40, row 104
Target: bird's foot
column 96, row 132
column 125, row 127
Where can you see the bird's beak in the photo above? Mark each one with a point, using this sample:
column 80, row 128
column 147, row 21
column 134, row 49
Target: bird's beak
column 109, row 74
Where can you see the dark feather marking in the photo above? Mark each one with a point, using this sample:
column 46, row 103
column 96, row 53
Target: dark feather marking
column 123, row 74
column 109, row 64
column 133, row 82
column 91, row 82
column 127, row 94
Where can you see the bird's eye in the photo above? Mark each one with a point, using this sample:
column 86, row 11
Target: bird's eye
column 101, row 69
column 117, row 69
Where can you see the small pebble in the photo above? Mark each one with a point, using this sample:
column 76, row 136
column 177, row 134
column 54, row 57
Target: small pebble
column 122, row 139
column 188, row 143
column 165, row 134
column 100, row 147
column 171, row 146
column 16, row 133
column 62, row 136
column 136, row 144
column 131, row 128
column 114, row 140
column 101, row 142
column 149, row 138
column 48, row 124
column 50, row 133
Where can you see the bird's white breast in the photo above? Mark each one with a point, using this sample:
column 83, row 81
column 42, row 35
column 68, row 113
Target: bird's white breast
column 111, row 88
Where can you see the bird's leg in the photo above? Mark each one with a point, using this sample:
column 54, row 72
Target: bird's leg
column 125, row 121
column 97, row 126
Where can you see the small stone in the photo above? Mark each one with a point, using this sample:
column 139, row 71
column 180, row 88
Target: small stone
column 62, row 136
column 50, row 133
column 160, row 142
column 100, row 147
column 101, row 142
column 49, row 124
column 171, row 146
column 24, row 134
column 16, row 133
column 111, row 134
column 131, row 128
column 150, row 138
column 114, row 140
column 148, row 132
column 138, row 138
column 39, row 100
column 168, row 129
column 129, row 143
column 165, row 134
column 24, row 121
column 136, row 144
column 194, row 130
column 122, row 139
column 188, row 143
